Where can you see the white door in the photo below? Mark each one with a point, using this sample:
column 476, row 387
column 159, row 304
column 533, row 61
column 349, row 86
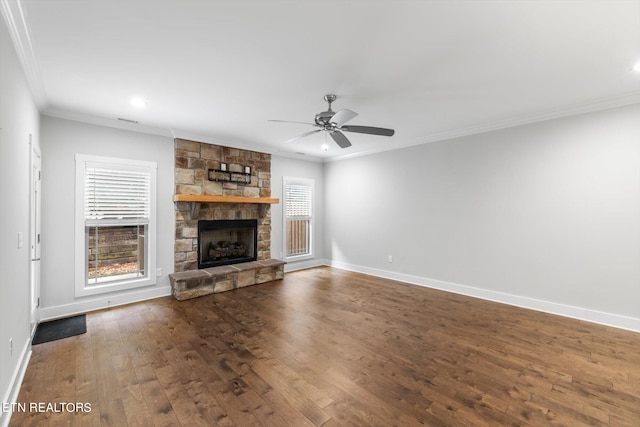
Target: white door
column 35, row 236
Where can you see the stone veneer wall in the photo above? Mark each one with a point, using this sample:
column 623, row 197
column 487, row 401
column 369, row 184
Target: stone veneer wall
column 193, row 159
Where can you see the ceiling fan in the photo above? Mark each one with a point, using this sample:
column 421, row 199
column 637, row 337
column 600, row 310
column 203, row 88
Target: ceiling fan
column 333, row 122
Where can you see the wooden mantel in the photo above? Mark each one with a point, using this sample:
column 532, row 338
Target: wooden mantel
column 196, row 199
column 223, row 199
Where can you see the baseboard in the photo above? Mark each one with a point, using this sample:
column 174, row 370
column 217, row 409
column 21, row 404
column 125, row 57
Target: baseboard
column 106, row 301
column 303, row 265
column 593, row 316
column 11, row 396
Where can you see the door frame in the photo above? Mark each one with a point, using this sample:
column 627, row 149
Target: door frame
column 35, row 233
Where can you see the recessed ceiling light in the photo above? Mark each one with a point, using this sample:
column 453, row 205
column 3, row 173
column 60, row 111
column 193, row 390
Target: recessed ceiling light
column 138, row 102
column 325, row 147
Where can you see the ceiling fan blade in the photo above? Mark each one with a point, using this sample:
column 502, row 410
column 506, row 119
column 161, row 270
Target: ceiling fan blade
column 302, row 136
column 289, row 121
column 340, row 139
column 368, row 129
column 342, row 116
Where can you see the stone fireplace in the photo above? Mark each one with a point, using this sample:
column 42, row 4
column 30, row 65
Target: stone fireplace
column 225, row 186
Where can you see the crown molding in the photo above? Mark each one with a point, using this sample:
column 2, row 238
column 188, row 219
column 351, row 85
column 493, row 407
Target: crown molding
column 107, row 122
column 557, row 113
column 542, row 116
column 16, row 21
column 299, row 156
column 612, row 102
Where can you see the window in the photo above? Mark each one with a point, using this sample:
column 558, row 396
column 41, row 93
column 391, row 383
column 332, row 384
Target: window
column 115, row 224
column 298, row 198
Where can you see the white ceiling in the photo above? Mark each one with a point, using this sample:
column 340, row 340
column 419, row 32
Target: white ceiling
column 218, row 70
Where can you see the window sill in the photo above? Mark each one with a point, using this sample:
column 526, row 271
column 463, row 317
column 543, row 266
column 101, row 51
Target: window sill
column 114, row 286
column 294, row 258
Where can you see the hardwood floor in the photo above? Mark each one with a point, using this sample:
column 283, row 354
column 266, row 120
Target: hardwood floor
column 335, row 348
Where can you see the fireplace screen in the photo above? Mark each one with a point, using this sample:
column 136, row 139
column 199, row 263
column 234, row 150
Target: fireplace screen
column 226, row 242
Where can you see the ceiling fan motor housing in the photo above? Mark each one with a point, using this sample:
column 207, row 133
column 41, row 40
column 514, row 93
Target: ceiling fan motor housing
column 324, row 118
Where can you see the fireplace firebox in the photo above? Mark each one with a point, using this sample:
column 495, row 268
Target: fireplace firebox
column 226, row 242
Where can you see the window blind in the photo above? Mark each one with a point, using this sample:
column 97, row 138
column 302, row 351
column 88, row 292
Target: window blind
column 116, row 196
column 298, row 200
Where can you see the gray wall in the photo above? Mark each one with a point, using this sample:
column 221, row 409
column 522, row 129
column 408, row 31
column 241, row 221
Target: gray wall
column 18, row 119
column 537, row 214
column 61, row 141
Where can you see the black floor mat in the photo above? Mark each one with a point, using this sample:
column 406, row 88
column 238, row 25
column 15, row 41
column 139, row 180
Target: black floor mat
column 60, row 328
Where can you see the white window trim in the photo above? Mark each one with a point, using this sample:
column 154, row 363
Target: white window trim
column 81, row 288
column 303, row 181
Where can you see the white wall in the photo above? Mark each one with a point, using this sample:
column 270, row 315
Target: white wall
column 545, row 215
column 18, row 119
column 61, row 140
column 284, row 166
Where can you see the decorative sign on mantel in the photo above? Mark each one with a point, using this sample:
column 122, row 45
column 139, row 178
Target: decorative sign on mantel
column 223, row 175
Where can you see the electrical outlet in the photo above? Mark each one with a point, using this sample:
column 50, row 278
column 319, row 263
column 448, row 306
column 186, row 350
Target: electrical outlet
column 158, row 272
column 390, row 258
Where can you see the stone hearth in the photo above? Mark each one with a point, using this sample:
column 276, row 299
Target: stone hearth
column 196, row 283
